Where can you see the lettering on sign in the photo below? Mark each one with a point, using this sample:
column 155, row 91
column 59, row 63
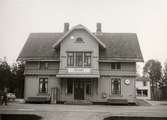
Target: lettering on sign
column 79, row 70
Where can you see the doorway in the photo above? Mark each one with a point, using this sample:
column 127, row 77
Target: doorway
column 78, row 89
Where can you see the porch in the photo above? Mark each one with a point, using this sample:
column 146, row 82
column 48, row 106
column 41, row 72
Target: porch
column 78, row 89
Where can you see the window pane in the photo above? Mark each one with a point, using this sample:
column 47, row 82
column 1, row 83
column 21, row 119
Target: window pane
column 116, row 86
column 70, row 59
column 144, row 83
column 112, row 65
column 87, row 59
column 145, row 93
column 43, row 65
column 79, row 59
column 43, row 85
column 139, row 93
column 118, row 65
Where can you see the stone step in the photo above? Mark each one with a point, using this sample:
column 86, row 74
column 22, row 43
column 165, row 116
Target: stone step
column 117, row 101
column 78, row 102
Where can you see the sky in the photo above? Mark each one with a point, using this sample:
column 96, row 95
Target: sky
column 147, row 18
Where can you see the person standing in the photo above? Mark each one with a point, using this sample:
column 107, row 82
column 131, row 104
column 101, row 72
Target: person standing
column 4, row 97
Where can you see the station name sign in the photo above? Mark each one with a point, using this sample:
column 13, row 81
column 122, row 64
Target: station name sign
column 79, row 70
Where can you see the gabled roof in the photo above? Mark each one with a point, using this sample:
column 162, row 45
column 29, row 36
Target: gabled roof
column 123, row 47
column 78, row 27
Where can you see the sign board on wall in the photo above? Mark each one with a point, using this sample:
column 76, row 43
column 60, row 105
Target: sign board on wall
column 79, row 70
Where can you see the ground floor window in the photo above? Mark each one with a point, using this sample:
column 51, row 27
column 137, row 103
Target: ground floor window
column 69, row 86
column 43, row 85
column 142, row 93
column 116, row 86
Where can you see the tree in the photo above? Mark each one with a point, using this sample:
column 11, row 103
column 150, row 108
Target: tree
column 153, row 70
column 5, row 74
column 12, row 78
column 18, row 78
column 164, row 82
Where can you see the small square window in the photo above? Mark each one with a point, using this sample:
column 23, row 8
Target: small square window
column 115, row 65
column 144, row 83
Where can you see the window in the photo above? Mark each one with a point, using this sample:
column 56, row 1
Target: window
column 116, row 86
column 142, row 92
column 43, row 65
column 139, row 93
column 145, row 93
column 70, row 59
column 79, row 59
column 88, row 88
column 115, row 65
column 87, row 59
column 69, row 86
column 79, row 40
column 144, row 83
column 43, row 85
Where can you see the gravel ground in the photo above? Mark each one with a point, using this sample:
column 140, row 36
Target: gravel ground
column 82, row 112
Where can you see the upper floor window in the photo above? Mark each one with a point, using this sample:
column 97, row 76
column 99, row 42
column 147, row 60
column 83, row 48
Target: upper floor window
column 144, row 83
column 79, row 59
column 70, row 59
column 79, row 40
column 115, row 65
column 87, row 59
column 43, row 85
column 43, row 65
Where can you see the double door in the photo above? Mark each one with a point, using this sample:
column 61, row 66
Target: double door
column 79, row 89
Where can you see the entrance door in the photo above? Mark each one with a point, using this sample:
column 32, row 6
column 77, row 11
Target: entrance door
column 79, row 89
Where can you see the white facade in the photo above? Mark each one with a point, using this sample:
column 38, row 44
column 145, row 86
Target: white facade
column 143, row 89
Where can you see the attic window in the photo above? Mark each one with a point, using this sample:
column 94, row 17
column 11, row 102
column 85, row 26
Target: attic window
column 79, row 40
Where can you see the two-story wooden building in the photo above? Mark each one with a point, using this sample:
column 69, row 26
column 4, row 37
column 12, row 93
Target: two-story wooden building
column 79, row 65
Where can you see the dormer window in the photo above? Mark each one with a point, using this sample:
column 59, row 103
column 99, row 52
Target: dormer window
column 79, row 40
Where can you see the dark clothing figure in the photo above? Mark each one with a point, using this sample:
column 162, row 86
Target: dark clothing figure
column 4, row 98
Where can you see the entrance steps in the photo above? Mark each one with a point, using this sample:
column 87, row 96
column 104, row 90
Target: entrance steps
column 118, row 101
column 78, row 102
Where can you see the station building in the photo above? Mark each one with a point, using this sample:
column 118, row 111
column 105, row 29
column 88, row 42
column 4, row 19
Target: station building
column 80, row 65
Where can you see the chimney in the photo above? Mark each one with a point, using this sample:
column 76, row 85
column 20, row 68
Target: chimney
column 98, row 29
column 66, row 27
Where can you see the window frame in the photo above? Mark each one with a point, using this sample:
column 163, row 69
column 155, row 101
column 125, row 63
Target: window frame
column 70, row 59
column 87, row 59
column 79, row 59
column 119, row 86
column 115, row 65
column 144, row 83
column 43, row 65
column 45, row 82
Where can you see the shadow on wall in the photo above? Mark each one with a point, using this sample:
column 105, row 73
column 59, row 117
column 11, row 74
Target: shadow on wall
column 19, row 117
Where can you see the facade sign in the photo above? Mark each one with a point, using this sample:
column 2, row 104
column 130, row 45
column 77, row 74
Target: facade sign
column 79, row 70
